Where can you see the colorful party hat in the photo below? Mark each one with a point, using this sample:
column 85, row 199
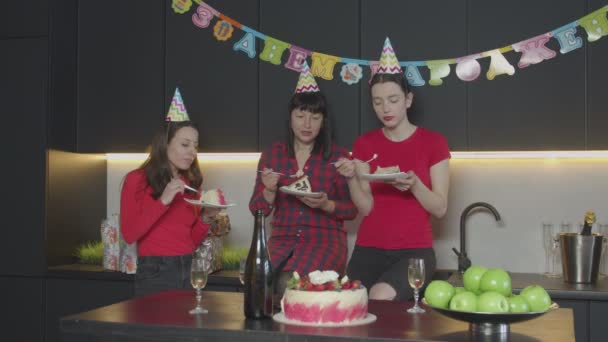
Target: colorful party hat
column 388, row 61
column 306, row 82
column 177, row 110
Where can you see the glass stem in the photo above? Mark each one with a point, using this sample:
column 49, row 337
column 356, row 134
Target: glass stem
column 416, row 297
column 198, row 298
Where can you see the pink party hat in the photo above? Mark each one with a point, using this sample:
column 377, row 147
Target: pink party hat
column 306, row 82
column 388, row 61
column 177, row 109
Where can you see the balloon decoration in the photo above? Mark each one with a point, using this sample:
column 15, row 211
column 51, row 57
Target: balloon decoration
column 467, row 68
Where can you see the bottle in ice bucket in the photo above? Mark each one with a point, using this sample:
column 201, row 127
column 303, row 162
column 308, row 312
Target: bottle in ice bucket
column 588, row 222
column 258, row 274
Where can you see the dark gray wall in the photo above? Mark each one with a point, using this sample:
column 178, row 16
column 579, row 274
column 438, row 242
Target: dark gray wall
column 128, row 71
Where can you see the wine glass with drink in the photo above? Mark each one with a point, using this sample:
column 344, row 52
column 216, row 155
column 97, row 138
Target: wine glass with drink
column 198, row 279
column 415, row 276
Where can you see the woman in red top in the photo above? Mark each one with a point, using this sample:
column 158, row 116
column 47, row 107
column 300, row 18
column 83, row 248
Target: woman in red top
column 153, row 212
column 396, row 224
column 308, row 233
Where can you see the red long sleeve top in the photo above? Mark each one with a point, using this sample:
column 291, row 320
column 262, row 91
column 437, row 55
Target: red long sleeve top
column 158, row 229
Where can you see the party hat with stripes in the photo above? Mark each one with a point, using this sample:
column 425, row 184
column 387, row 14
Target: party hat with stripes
column 177, row 109
column 306, row 82
column 388, row 61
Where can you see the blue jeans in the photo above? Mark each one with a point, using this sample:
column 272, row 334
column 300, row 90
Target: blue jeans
column 160, row 273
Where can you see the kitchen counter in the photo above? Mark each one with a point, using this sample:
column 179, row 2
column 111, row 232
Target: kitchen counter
column 164, row 317
column 556, row 287
column 226, row 279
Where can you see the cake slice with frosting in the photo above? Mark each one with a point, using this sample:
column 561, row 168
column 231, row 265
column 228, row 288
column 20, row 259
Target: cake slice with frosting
column 386, row 170
column 214, row 196
column 301, row 184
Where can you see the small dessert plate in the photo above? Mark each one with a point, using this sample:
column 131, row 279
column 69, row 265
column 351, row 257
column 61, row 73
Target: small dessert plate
column 209, row 205
column 383, row 176
column 286, row 190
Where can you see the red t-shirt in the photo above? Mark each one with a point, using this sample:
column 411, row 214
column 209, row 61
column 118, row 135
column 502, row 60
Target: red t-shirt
column 175, row 229
column 398, row 220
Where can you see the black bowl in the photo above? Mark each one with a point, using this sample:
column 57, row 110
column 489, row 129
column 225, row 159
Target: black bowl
column 491, row 317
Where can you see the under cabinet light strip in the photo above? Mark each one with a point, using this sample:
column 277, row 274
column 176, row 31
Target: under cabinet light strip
column 254, row 156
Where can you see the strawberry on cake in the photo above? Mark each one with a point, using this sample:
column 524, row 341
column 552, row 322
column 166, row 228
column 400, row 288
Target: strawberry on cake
column 320, row 297
column 214, row 196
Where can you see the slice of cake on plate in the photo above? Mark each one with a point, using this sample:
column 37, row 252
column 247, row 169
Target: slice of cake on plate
column 214, row 196
column 386, row 170
column 321, row 297
column 301, row 184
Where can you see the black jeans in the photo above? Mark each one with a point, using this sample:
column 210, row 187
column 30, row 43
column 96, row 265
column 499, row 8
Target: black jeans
column 374, row 265
column 160, row 273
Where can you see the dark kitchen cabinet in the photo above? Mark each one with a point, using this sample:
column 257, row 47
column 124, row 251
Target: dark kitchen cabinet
column 540, row 107
column 597, row 123
column 319, row 32
column 22, row 308
column 70, row 296
column 24, row 19
column 24, row 70
column 121, row 99
column 598, row 329
column 580, row 309
column 434, row 34
column 219, row 85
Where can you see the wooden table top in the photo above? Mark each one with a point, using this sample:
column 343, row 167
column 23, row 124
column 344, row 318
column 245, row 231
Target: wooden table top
column 164, row 317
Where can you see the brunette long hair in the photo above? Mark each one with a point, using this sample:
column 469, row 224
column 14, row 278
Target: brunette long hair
column 157, row 166
column 315, row 103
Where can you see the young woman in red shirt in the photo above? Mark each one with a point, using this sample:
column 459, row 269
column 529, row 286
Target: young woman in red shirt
column 153, row 212
column 396, row 212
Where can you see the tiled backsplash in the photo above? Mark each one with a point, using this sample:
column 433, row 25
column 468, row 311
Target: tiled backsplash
column 526, row 192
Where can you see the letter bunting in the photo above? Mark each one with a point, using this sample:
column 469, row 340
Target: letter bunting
column 467, row 68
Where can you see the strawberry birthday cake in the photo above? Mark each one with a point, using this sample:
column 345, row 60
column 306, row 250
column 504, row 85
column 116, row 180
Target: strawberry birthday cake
column 321, row 297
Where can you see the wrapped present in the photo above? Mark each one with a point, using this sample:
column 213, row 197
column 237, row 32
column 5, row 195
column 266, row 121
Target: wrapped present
column 212, row 248
column 111, row 243
column 118, row 255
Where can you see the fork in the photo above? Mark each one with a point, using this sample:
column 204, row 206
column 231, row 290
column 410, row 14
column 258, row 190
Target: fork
column 191, row 188
column 367, row 161
column 281, row 174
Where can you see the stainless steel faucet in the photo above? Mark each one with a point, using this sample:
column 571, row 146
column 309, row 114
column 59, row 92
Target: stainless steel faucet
column 463, row 260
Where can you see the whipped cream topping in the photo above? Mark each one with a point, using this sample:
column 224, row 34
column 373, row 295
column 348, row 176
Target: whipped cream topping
column 321, row 277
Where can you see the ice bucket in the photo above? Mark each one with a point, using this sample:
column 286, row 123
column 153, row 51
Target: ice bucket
column 580, row 257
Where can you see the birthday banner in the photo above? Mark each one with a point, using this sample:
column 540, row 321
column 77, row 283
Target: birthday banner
column 467, row 68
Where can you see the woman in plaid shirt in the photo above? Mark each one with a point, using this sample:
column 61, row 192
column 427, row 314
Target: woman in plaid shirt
column 310, row 228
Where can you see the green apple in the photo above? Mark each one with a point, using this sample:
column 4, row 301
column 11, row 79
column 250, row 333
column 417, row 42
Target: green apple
column 496, row 279
column 537, row 297
column 458, row 290
column 439, row 293
column 472, row 277
column 518, row 304
column 464, row 301
column 492, row 301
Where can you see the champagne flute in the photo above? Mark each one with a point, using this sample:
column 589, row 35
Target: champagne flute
column 198, row 279
column 415, row 276
column 242, row 263
column 551, row 248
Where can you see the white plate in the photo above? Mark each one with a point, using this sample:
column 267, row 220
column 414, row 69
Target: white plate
column 280, row 317
column 383, row 176
column 286, row 190
column 209, row 205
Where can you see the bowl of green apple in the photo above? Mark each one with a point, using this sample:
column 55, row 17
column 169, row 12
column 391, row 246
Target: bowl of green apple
column 486, row 301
